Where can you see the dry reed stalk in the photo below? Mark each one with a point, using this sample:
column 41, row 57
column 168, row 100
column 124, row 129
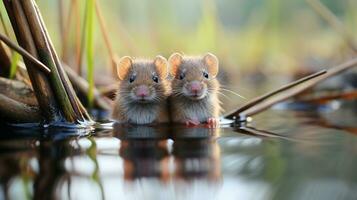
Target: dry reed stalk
column 262, row 98
column 17, row 112
column 264, row 102
column 24, row 53
column 113, row 57
column 40, row 82
column 54, row 93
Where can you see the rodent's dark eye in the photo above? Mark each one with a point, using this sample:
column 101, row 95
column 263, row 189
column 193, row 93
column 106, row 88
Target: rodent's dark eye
column 205, row 74
column 132, row 78
column 155, row 78
column 182, row 76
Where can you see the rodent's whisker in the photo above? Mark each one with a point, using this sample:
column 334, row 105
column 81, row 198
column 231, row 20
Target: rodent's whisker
column 233, row 93
column 240, row 88
column 224, row 95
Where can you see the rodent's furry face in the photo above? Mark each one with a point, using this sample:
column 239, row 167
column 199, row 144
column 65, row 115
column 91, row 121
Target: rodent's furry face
column 144, row 82
column 194, row 78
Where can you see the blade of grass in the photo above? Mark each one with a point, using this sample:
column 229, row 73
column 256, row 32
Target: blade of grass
column 14, row 56
column 13, row 67
column 90, row 50
column 4, row 25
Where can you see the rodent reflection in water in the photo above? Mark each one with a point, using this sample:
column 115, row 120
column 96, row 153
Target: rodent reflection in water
column 186, row 154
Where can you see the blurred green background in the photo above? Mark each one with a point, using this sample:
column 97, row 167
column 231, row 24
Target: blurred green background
column 257, row 41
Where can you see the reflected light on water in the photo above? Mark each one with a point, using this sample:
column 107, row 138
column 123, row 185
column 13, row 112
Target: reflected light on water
column 284, row 159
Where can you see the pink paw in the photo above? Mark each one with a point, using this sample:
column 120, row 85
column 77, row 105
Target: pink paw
column 212, row 122
column 192, row 122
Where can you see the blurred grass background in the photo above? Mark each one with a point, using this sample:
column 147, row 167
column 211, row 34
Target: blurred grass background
column 257, row 41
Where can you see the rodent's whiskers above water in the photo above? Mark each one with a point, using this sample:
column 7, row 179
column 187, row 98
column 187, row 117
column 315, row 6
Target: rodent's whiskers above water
column 232, row 92
column 224, row 95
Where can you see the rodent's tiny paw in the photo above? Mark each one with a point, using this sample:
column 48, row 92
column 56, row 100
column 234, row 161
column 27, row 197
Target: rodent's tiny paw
column 192, row 122
column 212, row 122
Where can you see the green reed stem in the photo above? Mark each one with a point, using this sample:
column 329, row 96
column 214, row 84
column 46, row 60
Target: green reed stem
column 13, row 67
column 90, row 9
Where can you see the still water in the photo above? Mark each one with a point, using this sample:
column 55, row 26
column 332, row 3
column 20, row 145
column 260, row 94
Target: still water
column 281, row 154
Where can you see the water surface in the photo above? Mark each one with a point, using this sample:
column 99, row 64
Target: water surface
column 281, row 154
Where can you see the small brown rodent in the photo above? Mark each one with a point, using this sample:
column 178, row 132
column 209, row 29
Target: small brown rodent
column 143, row 90
column 194, row 98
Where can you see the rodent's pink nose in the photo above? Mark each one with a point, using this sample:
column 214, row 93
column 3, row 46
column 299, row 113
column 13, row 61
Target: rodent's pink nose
column 195, row 87
column 142, row 91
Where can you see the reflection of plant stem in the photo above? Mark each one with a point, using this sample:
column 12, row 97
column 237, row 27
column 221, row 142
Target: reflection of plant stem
column 92, row 153
column 25, row 177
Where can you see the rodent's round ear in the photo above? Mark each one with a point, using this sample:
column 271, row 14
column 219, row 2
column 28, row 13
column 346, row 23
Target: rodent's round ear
column 211, row 62
column 124, row 66
column 161, row 66
column 175, row 61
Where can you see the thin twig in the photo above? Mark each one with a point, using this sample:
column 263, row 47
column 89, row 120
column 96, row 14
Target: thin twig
column 291, row 92
column 24, row 53
column 259, row 99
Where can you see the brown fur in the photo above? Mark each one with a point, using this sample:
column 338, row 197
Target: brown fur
column 126, row 109
column 183, row 108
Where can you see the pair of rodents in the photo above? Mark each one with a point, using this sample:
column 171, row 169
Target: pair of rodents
column 146, row 95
